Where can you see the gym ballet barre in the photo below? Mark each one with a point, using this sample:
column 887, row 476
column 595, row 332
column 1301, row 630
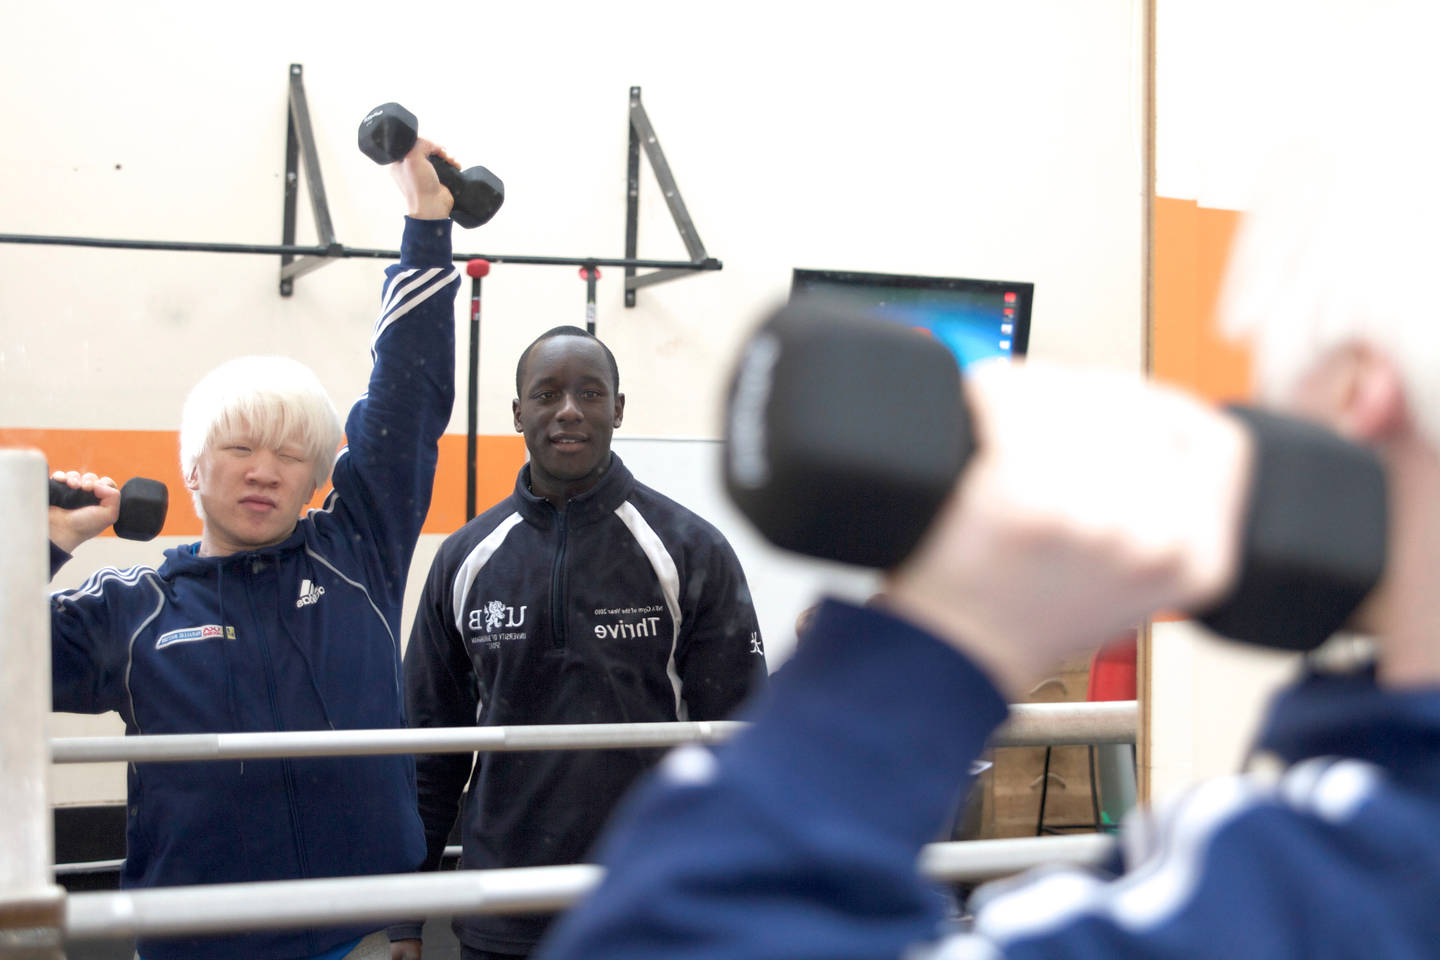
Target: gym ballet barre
column 274, row 905
column 1030, row 724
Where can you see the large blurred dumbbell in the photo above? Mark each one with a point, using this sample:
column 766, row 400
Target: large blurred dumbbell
column 389, row 131
column 143, row 505
column 845, row 432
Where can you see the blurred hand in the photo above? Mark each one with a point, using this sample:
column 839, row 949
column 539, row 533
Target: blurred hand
column 1093, row 500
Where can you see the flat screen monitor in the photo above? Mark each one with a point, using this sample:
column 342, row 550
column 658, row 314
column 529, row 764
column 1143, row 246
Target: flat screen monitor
column 976, row 319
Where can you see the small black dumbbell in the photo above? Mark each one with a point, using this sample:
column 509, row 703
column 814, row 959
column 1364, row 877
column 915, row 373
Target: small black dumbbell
column 845, row 432
column 389, row 131
column 143, row 505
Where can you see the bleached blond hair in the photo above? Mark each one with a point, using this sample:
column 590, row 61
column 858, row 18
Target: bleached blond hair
column 276, row 400
column 1342, row 238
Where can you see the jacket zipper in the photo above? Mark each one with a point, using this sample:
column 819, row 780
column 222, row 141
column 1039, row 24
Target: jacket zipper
column 285, row 767
column 557, row 587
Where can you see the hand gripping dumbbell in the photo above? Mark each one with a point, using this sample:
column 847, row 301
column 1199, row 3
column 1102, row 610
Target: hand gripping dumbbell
column 143, row 505
column 389, row 131
column 863, row 488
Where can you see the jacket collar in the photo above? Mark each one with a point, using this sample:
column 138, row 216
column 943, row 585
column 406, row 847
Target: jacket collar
column 185, row 559
column 1349, row 715
column 594, row 504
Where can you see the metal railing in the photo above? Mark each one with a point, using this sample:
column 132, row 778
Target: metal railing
column 282, row 904
column 1030, row 724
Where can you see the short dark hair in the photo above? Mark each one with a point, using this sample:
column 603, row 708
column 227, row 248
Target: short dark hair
column 566, row 331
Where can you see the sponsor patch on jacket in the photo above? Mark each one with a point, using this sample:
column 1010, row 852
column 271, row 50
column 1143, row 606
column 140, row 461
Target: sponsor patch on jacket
column 211, row 631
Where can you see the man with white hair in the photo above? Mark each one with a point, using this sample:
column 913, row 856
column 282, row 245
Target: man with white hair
column 276, row 622
column 1088, row 505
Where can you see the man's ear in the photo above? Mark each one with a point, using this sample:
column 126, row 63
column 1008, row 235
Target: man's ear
column 1374, row 405
column 515, row 413
column 192, row 479
column 619, row 409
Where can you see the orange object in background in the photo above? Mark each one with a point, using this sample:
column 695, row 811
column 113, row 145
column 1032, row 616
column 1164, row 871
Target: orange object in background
column 1192, row 248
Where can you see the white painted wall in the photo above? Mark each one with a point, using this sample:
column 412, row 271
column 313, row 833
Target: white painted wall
column 969, row 138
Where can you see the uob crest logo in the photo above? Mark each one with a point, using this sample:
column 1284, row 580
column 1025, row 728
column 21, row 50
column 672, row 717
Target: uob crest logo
column 496, row 615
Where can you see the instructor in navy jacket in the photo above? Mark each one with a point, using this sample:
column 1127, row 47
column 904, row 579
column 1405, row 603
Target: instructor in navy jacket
column 583, row 597
column 273, row 623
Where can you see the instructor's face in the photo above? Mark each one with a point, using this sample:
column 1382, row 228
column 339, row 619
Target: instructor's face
column 568, row 408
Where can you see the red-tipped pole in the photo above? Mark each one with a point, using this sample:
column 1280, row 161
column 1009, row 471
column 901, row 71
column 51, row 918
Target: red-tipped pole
column 476, row 269
column 590, row 274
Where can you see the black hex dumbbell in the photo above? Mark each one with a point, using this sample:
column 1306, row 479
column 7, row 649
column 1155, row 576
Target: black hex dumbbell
column 143, row 505
column 845, row 432
column 389, row 131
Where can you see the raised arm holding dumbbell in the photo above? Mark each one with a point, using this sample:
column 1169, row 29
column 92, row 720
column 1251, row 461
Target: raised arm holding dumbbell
column 390, row 132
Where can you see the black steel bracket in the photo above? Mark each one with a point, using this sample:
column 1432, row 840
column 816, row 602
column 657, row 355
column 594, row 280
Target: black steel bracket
column 642, row 134
column 300, row 147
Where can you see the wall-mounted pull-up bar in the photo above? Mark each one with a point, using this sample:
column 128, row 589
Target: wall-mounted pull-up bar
column 297, row 260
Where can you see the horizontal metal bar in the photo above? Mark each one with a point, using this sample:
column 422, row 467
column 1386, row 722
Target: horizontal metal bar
column 337, row 251
column 170, row 748
column 968, row 861
column 185, row 246
column 960, row 862
column 1063, row 724
column 88, row 866
column 287, row 904
column 1030, row 724
column 284, row 904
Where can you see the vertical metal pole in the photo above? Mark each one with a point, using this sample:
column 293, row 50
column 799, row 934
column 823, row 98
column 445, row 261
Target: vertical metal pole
column 1144, row 655
column 632, row 196
column 474, row 400
column 590, row 273
column 31, row 905
column 476, row 269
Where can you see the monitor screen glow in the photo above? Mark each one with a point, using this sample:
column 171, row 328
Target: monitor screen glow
column 976, row 319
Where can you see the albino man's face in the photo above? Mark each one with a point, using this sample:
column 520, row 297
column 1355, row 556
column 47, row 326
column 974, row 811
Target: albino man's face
column 250, row 495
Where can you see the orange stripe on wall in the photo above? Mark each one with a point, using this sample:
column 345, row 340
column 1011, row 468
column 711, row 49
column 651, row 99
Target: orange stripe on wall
column 156, row 454
column 1192, row 247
